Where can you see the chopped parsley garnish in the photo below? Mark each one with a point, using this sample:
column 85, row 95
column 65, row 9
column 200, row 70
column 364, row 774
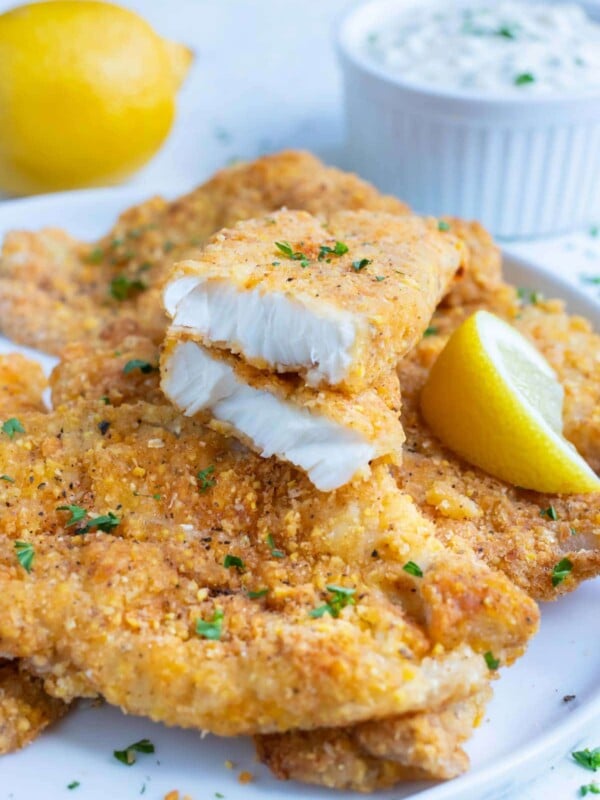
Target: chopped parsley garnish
column 413, row 569
column 589, row 759
column 73, row 785
column 524, row 78
column 211, row 629
column 203, row 476
column 77, row 514
column 529, row 296
column 295, row 255
column 595, row 231
column 561, row 570
column 549, row 512
column 589, row 788
column 127, row 756
column 95, row 256
column 492, row 663
column 358, row 265
column 7, row 478
column 431, row 330
column 138, row 363
column 104, row 523
column 25, row 554
column 258, row 593
column 507, row 31
column 339, row 249
column 233, row 561
column 443, row 225
column 593, row 279
column 168, row 246
column 379, row 278
column 573, row 531
column 340, row 598
column 12, row 426
column 271, row 545
column 122, row 287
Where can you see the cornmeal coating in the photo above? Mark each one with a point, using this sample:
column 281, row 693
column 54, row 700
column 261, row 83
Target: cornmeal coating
column 338, row 302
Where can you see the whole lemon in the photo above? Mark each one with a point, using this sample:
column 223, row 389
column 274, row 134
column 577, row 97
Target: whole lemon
column 87, row 94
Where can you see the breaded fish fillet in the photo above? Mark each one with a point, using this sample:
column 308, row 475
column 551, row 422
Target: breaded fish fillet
column 330, row 436
column 379, row 754
column 512, row 529
column 25, row 709
column 55, row 289
column 153, row 594
column 337, row 302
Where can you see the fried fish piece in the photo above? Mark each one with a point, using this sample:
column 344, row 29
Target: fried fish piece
column 338, row 302
column 55, row 289
column 379, row 754
column 25, row 708
column 330, row 436
column 154, row 595
column 523, row 533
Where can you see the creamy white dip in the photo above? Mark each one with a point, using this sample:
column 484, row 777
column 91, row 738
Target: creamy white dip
column 499, row 48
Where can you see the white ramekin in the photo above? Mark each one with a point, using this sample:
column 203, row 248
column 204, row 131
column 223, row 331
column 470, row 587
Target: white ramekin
column 524, row 166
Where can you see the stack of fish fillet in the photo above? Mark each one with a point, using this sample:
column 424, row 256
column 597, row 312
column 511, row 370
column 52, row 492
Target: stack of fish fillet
column 286, row 332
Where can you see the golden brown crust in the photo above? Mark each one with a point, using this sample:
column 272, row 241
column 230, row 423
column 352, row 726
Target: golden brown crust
column 25, row 708
column 55, row 290
column 409, row 264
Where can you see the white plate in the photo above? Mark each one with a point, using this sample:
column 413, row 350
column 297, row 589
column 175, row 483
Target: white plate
column 527, row 725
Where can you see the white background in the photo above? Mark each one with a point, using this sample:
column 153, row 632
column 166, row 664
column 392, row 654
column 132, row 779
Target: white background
column 265, row 78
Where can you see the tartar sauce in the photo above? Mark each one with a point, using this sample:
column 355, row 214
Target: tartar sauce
column 505, row 47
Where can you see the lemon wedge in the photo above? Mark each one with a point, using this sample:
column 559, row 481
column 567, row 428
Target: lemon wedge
column 494, row 399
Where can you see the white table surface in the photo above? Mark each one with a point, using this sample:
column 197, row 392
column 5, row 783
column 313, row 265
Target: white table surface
column 265, row 78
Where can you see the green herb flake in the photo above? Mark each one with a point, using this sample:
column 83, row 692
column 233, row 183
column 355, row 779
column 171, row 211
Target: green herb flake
column 25, row 554
column 127, row 756
column 589, row 788
column 104, row 523
column 7, row 478
column 413, row 569
column 73, row 785
column 168, row 246
column 443, row 225
column 95, row 256
column 523, row 79
column 341, row 596
column 12, row 426
column 211, row 629
column 258, row 593
column 138, row 363
column 549, row 512
column 122, row 287
column 573, row 531
column 588, row 759
column 492, row 663
column 358, row 265
column 233, row 561
column 529, row 296
column 271, row 545
column 77, row 514
column 593, row 279
column 219, row 796
column 561, row 570
column 379, row 278
column 295, row 255
column 203, row 477
column 431, row 330
column 507, row 32
column 339, row 249
column 105, row 399
column 595, row 231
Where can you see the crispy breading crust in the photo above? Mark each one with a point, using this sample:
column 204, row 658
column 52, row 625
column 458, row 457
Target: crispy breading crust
column 378, row 755
column 114, row 613
column 55, row 290
column 409, row 264
column 25, row 708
